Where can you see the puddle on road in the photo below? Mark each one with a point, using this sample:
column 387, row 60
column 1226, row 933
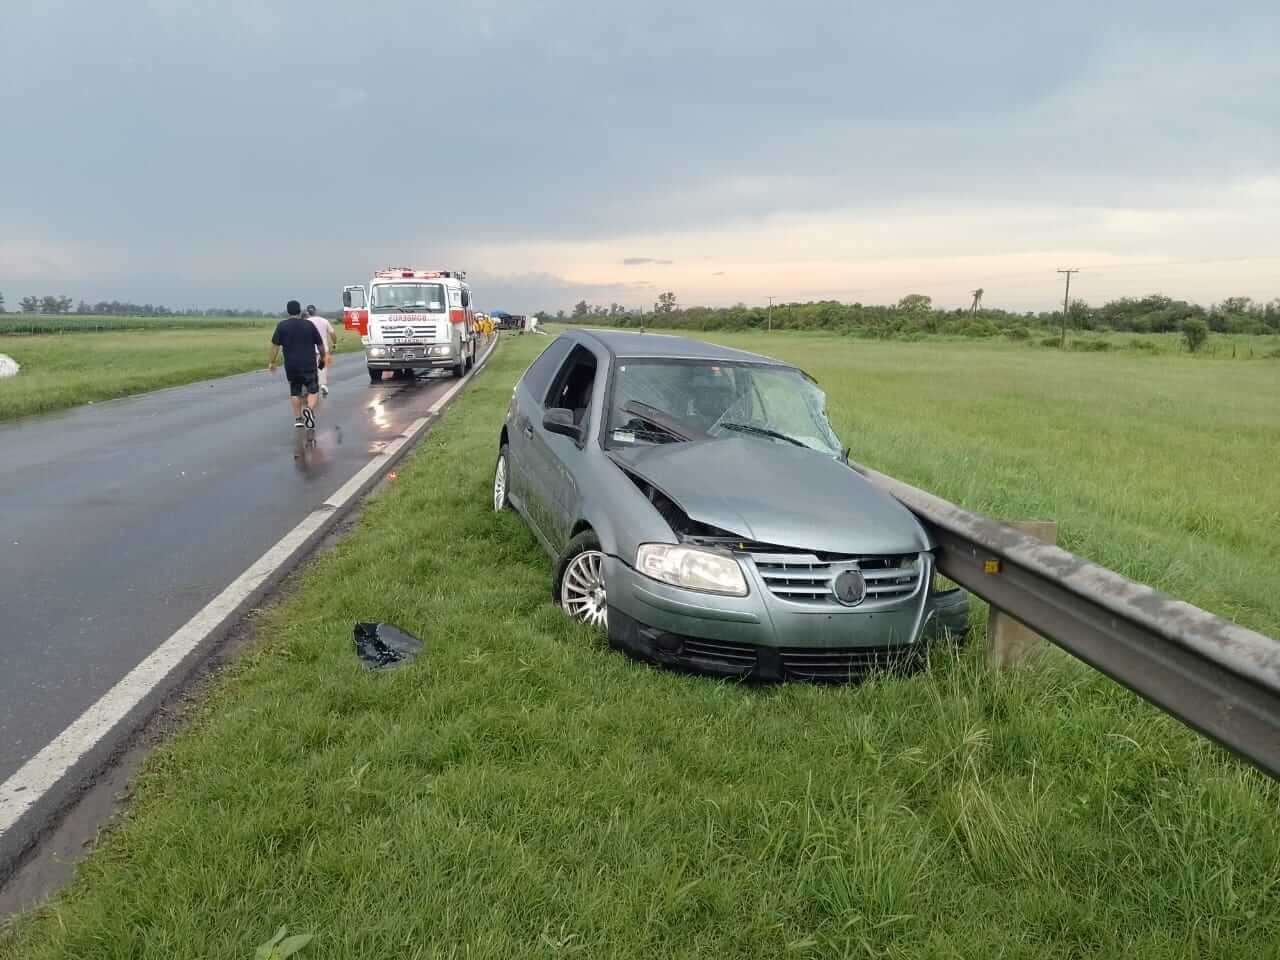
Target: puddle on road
column 309, row 455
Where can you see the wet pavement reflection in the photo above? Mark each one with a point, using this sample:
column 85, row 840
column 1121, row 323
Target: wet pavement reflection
column 121, row 520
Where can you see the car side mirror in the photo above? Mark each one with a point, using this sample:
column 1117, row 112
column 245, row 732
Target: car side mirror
column 560, row 420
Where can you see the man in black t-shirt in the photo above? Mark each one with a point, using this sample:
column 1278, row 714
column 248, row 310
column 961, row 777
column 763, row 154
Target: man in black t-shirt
column 301, row 342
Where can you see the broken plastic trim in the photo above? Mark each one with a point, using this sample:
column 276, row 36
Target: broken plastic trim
column 380, row 646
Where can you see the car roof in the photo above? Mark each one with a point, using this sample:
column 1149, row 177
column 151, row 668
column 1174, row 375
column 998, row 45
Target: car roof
column 634, row 346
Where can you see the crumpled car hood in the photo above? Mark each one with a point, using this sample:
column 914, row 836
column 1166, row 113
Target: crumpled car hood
column 777, row 494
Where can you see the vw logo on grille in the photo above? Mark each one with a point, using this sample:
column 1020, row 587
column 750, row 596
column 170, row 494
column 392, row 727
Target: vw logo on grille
column 850, row 588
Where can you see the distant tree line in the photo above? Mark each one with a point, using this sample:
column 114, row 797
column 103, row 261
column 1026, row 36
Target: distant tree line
column 915, row 315
column 63, row 305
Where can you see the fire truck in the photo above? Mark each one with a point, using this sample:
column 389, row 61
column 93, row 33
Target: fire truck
column 411, row 320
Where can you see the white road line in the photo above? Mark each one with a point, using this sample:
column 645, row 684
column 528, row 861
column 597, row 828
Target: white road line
column 350, row 488
column 43, row 771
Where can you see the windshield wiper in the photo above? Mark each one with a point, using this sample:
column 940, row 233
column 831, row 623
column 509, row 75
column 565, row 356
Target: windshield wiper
column 659, row 419
column 764, row 432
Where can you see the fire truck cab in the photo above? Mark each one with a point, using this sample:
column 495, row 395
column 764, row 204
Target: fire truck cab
column 412, row 320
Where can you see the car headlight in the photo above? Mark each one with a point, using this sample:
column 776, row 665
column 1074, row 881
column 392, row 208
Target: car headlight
column 692, row 568
column 443, row 350
column 377, row 351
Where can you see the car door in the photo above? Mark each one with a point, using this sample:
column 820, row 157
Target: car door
column 559, row 460
column 526, row 408
column 355, row 310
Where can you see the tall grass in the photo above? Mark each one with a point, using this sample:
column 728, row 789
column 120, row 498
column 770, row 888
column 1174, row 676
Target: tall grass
column 519, row 791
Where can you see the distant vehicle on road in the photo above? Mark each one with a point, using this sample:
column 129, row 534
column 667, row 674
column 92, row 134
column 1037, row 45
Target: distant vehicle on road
column 701, row 511
column 411, row 320
column 509, row 321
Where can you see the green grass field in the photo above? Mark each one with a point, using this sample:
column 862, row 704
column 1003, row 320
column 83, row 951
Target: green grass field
column 521, row 792
column 1157, row 466
column 62, row 370
column 29, row 323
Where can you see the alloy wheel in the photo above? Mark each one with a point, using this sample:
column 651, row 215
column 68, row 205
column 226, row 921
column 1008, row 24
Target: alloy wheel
column 500, row 484
column 582, row 589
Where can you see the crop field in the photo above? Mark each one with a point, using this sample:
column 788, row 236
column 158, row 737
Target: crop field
column 62, row 369
column 33, row 324
column 519, row 791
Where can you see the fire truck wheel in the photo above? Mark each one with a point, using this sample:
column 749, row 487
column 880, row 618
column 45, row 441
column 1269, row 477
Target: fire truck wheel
column 460, row 369
column 375, row 376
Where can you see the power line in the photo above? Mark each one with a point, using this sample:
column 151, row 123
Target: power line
column 1066, row 300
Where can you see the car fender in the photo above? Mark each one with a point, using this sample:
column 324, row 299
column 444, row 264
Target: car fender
column 623, row 518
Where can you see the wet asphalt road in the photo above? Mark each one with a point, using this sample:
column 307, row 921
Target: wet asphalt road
column 119, row 521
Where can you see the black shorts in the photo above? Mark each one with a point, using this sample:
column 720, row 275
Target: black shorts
column 301, row 382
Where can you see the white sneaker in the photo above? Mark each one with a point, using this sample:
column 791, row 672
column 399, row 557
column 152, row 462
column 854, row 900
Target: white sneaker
column 324, row 389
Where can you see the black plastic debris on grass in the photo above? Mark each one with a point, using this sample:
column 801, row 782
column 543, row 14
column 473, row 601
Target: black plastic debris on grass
column 380, row 646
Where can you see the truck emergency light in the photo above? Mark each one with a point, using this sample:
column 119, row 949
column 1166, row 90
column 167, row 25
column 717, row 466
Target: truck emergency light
column 399, row 273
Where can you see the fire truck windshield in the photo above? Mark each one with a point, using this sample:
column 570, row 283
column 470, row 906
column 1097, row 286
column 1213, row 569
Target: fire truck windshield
column 408, row 297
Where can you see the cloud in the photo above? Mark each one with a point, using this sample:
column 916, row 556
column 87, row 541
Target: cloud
column 348, row 97
column 925, row 135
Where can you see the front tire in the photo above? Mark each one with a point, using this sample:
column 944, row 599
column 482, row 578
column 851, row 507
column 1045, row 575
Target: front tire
column 502, row 481
column 375, row 376
column 579, row 585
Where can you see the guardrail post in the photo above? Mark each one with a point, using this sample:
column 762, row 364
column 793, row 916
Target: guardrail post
column 1009, row 643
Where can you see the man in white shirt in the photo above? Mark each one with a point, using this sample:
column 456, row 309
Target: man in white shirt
column 325, row 329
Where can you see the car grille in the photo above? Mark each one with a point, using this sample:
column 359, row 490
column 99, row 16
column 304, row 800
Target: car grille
column 807, row 577
column 420, row 331
column 739, row 657
column 807, row 663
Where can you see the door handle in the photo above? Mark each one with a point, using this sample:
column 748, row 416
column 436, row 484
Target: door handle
column 528, row 429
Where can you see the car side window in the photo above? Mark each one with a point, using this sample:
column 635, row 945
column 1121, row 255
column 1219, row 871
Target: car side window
column 571, row 389
column 538, row 376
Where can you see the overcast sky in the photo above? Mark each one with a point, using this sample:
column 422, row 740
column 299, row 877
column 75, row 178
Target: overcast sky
column 242, row 152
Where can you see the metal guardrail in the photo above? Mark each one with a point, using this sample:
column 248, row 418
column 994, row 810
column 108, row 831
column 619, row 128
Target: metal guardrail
column 1218, row 678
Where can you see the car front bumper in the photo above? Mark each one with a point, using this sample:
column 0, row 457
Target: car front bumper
column 762, row 637
column 410, row 358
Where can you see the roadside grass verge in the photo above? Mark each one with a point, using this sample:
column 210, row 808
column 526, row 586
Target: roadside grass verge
column 519, row 791
column 64, row 370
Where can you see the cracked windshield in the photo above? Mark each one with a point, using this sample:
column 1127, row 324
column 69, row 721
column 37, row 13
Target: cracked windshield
column 666, row 402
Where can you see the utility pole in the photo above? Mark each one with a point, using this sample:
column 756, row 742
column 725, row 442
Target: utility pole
column 771, row 314
column 1066, row 303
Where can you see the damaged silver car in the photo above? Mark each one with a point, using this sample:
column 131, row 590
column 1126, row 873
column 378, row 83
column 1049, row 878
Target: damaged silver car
column 701, row 510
